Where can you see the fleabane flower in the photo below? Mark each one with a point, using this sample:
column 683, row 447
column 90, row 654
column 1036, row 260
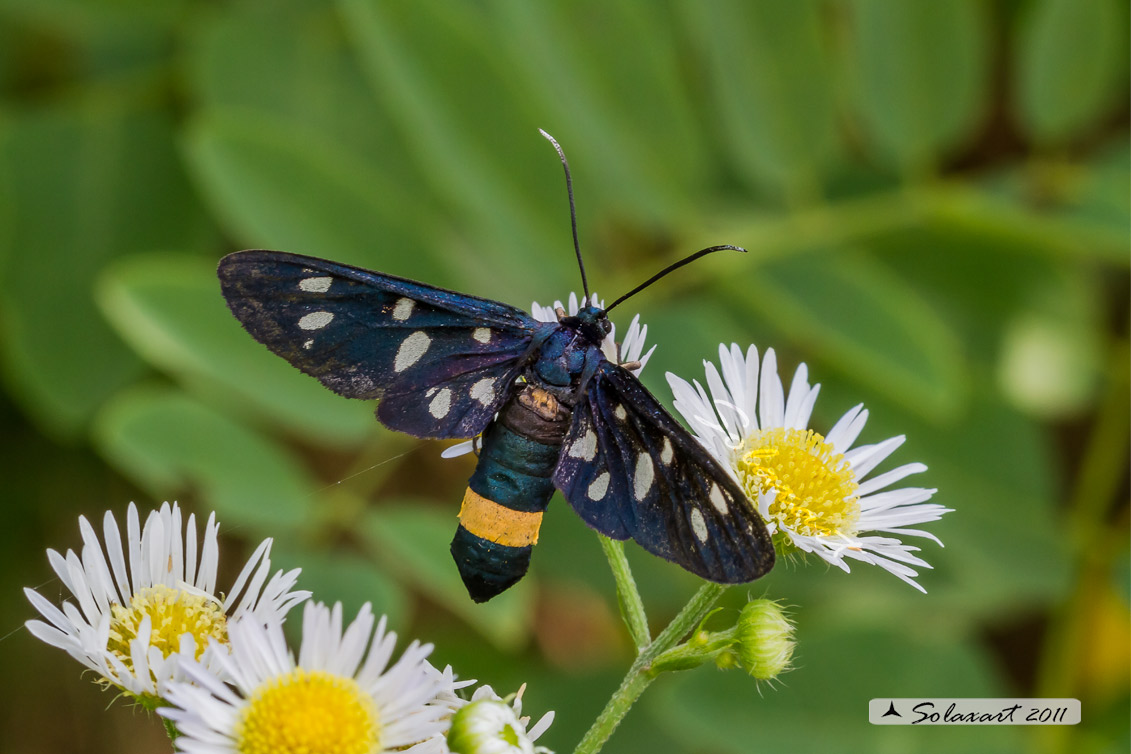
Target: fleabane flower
column 144, row 606
column 810, row 489
column 631, row 349
column 488, row 724
column 341, row 696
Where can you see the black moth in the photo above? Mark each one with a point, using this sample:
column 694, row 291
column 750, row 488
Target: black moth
column 553, row 412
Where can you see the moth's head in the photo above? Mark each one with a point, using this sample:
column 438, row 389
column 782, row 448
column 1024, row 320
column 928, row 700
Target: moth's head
column 591, row 322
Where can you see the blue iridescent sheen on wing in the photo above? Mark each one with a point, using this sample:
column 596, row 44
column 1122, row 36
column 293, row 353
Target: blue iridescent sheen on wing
column 440, row 362
column 630, row 470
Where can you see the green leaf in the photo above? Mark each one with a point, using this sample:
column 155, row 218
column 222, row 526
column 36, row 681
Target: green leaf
column 87, row 185
column 170, row 443
column 1005, row 542
column 1003, row 212
column 1070, row 58
column 921, row 75
column 822, row 705
column 618, row 64
column 978, row 279
column 293, row 66
column 470, row 130
column 771, row 86
column 413, row 540
column 95, row 16
column 169, row 309
column 346, row 578
column 283, row 188
column 1105, row 199
column 857, row 314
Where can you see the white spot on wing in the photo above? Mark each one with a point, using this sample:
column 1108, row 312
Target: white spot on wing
column 308, row 344
column 599, row 487
column 441, row 404
column 411, row 350
column 620, row 412
column 666, row 454
column 718, row 499
column 403, row 309
column 698, row 525
column 484, row 391
column 315, row 320
column 585, row 447
column 644, row 476
column 482, row 334
column 315, row 285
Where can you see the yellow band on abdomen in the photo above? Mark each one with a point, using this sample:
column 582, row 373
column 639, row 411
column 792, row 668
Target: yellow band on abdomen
column 498, row 523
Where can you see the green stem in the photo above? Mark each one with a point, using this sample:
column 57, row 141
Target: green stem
column 621, row 701
column 703, row 646
column 170, row 729
column 631, row 606
column 848, row 221
column 641, row 673
column 689, row 617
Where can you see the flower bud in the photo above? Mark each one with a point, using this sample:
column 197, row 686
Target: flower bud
column 763, row 639
column 488, row 726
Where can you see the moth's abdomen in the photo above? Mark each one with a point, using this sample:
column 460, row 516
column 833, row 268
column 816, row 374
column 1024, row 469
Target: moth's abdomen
column 498, row 523
column 511, row 487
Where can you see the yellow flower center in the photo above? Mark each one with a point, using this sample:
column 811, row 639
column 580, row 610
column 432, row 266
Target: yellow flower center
column 816, row 488
column 309, row 712
column 172, row 612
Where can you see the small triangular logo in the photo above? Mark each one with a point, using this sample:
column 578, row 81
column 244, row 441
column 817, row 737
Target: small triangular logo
column 891, row 711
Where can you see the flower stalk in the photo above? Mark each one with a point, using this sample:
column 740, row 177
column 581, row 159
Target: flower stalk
column 643, row 670
column 631, row 606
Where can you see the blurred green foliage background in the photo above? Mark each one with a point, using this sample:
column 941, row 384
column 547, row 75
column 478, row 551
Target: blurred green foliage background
column 935, row 196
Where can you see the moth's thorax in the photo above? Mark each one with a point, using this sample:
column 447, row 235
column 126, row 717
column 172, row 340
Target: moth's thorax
column 562, row 356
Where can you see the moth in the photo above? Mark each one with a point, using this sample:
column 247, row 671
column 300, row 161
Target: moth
column 551, row 410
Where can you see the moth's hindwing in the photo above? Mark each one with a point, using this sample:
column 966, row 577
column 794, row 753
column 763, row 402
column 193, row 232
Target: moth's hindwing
column 441, row 363
column 630, row 470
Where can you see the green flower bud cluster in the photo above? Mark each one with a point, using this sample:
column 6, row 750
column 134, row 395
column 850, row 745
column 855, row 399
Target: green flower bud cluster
column 760, row 642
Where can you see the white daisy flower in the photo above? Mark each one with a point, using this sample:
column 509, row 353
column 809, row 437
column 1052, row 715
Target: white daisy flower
column 143, row 607
column 341, row 696
column 631, row 349
column 809, row 489
column 489, row 725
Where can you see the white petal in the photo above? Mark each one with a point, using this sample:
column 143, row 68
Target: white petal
column 722, row 402
column 866, row 457
column 771, row 403
column 112, row 537
column 888, row 478
column 847, row 429
column 644, row 359
column 133, row 543
column 209, row 556
column 459, row 449
column 176, row 545
column 258, row 558
column 796, row 415
column 190, row 550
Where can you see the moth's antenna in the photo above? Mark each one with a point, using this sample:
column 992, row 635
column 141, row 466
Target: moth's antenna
column 572, row 212
column 672, row 267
